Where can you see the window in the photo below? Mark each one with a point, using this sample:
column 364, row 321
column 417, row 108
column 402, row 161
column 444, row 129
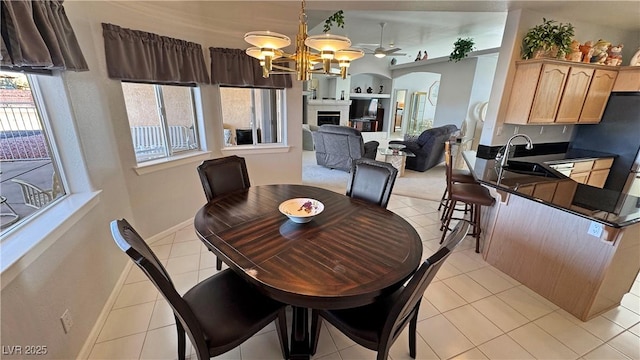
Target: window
column 30, row 176
column 160, row 115
column 252, row 116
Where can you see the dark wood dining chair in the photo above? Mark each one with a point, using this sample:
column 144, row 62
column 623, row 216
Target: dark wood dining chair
column 218, row 314
column 377, row 326
column 371, row 181
column 221, row 176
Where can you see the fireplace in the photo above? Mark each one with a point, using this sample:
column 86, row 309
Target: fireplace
column 328, row 117
column 321, row 112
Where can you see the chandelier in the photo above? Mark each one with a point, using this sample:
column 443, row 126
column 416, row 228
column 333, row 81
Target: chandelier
column 329, row 49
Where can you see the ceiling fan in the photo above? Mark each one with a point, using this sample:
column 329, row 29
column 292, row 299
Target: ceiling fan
column 380, row 51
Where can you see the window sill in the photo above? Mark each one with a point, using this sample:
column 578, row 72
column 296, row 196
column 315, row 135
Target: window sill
column 255, row 149
column 166, row 163
column 24, row 244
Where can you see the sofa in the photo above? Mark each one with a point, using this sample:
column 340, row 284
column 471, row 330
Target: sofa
column 337, row 146
column 428, row 147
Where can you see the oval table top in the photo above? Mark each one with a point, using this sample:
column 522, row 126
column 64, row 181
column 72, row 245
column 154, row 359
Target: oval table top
column 345, row 257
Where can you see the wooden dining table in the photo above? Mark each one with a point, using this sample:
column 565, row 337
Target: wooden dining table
column 347, row 256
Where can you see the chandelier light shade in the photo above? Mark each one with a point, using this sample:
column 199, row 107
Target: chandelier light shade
column 345, row 57
column 328, row 49
column 327, row 43
column 267, row 39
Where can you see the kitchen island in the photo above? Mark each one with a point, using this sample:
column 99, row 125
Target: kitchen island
column 574, row 244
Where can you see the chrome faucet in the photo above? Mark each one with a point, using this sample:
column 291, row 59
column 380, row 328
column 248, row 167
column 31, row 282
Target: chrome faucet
column 503, row 157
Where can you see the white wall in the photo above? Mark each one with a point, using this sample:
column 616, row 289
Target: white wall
column 480, row 93
column 456, row 84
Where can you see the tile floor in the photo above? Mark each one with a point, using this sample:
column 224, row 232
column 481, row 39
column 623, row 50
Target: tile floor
column 470, row 311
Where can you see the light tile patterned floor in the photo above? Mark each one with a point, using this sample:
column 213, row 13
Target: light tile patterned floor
column 470, row 311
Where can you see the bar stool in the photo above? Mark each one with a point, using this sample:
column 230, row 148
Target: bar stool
column 472, row 194
column 457, row 176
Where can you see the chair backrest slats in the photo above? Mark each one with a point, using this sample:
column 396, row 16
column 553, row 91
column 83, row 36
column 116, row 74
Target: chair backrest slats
column 32, row 195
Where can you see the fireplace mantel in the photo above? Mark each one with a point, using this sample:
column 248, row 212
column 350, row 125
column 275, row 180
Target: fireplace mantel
column 313, row 106
column 329, row 102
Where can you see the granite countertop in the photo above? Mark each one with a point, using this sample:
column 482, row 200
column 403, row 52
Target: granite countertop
column 605, row 206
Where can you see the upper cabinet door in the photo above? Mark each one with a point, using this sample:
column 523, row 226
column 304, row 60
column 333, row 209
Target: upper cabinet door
column 548, row 93
column 597, row 97
column 575, row 93
column 628, row 79
column 559, row 92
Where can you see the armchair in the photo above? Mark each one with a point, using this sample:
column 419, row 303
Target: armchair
column 337, row 146
column 428, row 147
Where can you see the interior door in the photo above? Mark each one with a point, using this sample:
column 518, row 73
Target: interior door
column 399, row 109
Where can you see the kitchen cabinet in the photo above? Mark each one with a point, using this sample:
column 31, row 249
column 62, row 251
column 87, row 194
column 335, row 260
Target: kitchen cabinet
column 597, row 97
column 628, row 79
column 590, row 172
column 559, row 192
column 552, row 92
column 575, row 93
column 565, row 191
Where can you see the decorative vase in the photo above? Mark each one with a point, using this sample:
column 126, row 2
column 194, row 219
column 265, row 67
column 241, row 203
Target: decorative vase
column 546, row 53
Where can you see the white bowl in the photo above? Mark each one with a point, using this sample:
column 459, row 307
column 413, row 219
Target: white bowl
column 301, row 210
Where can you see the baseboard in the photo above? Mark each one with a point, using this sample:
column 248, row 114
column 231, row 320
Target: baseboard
column 102, row 318
column 168, row 231
column 95, row 331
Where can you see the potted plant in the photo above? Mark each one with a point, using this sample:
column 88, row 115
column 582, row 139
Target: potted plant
column 338, row 17
column 461, row 49
column 549, row 39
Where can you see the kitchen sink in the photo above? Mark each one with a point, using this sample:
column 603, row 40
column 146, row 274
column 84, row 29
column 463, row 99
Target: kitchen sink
column 528, row 168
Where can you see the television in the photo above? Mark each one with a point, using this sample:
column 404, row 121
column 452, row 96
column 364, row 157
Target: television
column 363, row 109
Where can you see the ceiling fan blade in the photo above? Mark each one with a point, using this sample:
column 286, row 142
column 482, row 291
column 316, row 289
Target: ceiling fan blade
column 391, row 51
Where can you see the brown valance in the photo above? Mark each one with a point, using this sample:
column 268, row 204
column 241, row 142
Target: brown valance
column 233, row 67
column 37, row 35
column 135, row 55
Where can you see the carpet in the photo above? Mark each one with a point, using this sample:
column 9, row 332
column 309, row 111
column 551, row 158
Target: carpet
column 428, row 185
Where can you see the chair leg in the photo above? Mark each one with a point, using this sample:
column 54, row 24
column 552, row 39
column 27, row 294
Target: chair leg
column 447, row 204
column 218, row 263
column 413, row 325
column 478, row 229
column 447, row 219
column 442, row 200
column 181, row 340
column 316, row 325
column 281, row 327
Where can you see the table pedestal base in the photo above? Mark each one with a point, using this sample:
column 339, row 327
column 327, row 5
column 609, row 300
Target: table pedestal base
column 300, row 335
